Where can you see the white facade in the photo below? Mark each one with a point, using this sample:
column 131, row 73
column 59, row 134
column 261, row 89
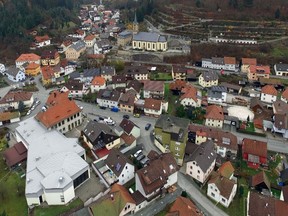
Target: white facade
column 69, row 123
column 191, row 102
column 280, row 72
column 214, row 123
column 127, row 174
column 214, row 100
column 107, row 103
column 20, row 63
column 90, row 43
column 267, row 98
column 2, row 68
column 206, row 63
column 68, row 69
column 148, row 94
column 194, row 170
column 20, row 76
column 230, row 67
column 43, row 43
column 214, row 193
column 96, row 88
column 74, row 93
column 284, row 99
column 141, row 76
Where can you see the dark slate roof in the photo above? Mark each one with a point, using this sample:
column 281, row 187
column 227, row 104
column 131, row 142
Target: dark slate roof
column 127, row 125
column 204, row 155
column 135, row 84
column 214, row 94
column 216, row 60
column 78, row 45
column 281, row 67
column 209, row 76
column 74, row 75
column 138, row 197
column 91, row 72
column 125, row 34
column 13, row 71
column 109, row 70
column 108, row 94
column 74, row 85
column 116, row 161
column 99, row 134
column 149, row 36
column 132, row 70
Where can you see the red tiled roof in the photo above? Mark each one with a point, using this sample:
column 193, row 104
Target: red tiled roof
column 98, row 80
column 269, row 89
column 128, row 139
column 254, row 147
column 47, row 72
column 89, row 37
column 258, row 179
column 177, row 85
column 260, row 69
column 214, row 112
column 49, row 54
column 61, row 108
column 249, row 61
column 285, row 94
column 229, row 60
column 226, row 169
column 32, row 65
column 16, row 154
column 153, row 85
column 16, row 96
column 28, row 57
column 123, row 191
column 184, row 207
column 189, row 92
column 43, row 38
column 151, row 103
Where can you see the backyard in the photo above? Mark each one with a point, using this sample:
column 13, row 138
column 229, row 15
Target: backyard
column 161, row 76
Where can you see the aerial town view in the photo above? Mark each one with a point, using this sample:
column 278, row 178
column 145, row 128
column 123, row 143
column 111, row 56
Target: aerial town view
column 143, row 107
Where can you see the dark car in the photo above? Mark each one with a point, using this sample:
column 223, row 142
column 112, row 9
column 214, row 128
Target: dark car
column 147, row 126
column 32, row 78
column 126, row 116
column 102, row 107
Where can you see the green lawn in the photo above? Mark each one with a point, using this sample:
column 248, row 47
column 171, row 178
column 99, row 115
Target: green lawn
column 57, row 210
column 249, row 126
column 161, row 76
column 173, row 100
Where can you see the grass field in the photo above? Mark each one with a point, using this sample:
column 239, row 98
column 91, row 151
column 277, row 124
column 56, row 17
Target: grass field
column 161, row 76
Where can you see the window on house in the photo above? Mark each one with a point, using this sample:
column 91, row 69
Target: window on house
column 212, row 194
column 190, row 172
column 62, row 198
column 223, row 200
column 198, row 171
column 122, row 175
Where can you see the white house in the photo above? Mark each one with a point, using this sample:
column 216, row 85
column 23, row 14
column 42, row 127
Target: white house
column 268, row 94
column 153, row 107
column 190, row 97
column 66, row 68
column 15, row 74
column 130, row 128
column 280, row 110
column 80, row 34
column 75, row 87
column 41, row 41
column 120, row 166
column 284, row 96
column 90, row 40
column 222, row 185
column 214, row 116
column 151, row 181
column 217, row 95
column 13, row 98
column 281, row 69
column 153, row 89
column 208, row 79
column 2, row 68
column 55, row 169
column 202, row 161
column 97, row 83
column 107, row 72
column 108, row 98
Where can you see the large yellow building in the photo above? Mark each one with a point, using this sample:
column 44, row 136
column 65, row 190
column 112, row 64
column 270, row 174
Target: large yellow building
column 32, row 69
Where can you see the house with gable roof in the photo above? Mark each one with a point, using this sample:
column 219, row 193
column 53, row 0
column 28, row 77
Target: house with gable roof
column 74, row 51
column 268, row 94
column 32, row 69
column 50, row 57
column 15, row 74
column 118, row 202
column 255, row 72
column 190, row 96
column 124, row 38
column 75, row 88
column 137, row 72
column 127, row 100
column 208, row 79
column 179, row 72
column 182, row 207
column 153, row 89
column 120, row 166
column 202, row 161
column 108, row 98
column 107, row 72
column 90, row 40
column 153, row 180
column 260, row 182
column 217, row 95
column 214, row 116
column 27, row 57
column 149, row 41
column 254, row 152
column 60, row 113
column 130, row 128
column 280, row 110
column 97, row 83
column 13, row 98
column 246, row 62
column 153, row 107
column 281, row 69
column 284, row 95
column 41, row 41
column 222, row 186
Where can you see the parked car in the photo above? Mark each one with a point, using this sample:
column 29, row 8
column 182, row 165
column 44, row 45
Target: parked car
column 114, row 109
column 136, row 154
column 126, row 116
column 33, row 107
column 144, row 161
column 28, row 113
column 102, row 107
column 109, row 121
column 147, row 126
column 37, row 102
column 140, row 157
column 137, row 115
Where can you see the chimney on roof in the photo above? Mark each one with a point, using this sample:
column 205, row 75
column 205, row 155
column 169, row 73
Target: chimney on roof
column 54, row 94
column 112, row 197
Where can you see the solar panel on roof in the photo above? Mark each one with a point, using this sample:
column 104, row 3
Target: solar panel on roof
column 118, row 167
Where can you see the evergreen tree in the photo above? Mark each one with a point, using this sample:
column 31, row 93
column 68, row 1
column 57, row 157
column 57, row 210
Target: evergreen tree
column 277, row 13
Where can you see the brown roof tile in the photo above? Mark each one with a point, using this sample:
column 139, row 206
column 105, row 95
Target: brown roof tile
column 269, row 89
column 151, row 103
column 285, row 94
column 127, row 125
column 226, row 169
column 258, row 179
column 98, row 80
column 15, row 154
column 177, row 85
column 43, row 38
column 184, row 207
column 254, row 147
column 260, row 69
column 249, row 61
column 153, row 85
column 224, row 185
column 214, row 112
column 28, row 57
column 16, row 96
column 49, row 54
column 230, row 60
column 189, row 92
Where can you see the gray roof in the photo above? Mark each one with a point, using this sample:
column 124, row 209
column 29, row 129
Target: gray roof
column 209, row 76
column 174, row 125
column 50, row 156
column 149, row 36
column 204, row 155
column 78, row 45
column 281, row 67
column 125, row 34
column 216, row 60
column 74, row 75
column 214, row 94
column 13, row 71
column 107, row 70
column 218, row 89
column 231, row 86
column 103, row 43
column 91, row 72
column 108, row 94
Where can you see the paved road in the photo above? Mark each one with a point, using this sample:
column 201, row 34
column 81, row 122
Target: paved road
column 159, row 204
column 200, row 200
